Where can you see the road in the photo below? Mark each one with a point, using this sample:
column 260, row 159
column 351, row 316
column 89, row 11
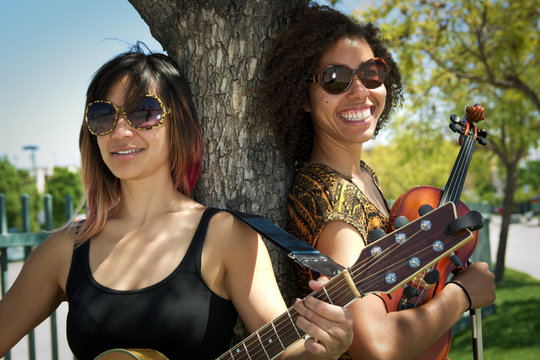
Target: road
column 523, row 247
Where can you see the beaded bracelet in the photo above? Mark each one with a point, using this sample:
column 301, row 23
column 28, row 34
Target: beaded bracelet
column 464, row 290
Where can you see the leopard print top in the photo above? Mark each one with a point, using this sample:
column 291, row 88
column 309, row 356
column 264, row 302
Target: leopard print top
column 320, row 195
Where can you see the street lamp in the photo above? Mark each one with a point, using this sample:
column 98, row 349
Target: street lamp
column 32, row 149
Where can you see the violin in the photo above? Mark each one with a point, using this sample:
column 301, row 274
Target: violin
column 422, row 199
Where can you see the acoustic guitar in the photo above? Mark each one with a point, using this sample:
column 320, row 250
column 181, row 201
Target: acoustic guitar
column 130, row 354
column 382, row 267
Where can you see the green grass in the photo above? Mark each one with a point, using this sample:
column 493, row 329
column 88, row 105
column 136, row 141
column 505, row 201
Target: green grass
column 513, row 331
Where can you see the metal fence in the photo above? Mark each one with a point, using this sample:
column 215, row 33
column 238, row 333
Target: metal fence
column 16, row 246
column 481, row 253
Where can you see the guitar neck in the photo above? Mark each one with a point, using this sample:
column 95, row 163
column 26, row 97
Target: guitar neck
column 382, row 266
column 279, row 334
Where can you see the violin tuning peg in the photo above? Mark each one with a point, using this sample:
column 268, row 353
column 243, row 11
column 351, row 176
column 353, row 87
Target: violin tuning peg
column 432, row 277
column 482, row 133
column 456, row 261
column 454, row 118
column 400, row 221
column 376, row 234
column 424, row 209
column 409, row 292
column 456, row 128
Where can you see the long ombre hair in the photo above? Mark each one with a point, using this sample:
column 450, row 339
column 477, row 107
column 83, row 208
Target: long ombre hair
column 144, row 71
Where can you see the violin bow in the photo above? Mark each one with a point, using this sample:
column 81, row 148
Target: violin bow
column 475, row 318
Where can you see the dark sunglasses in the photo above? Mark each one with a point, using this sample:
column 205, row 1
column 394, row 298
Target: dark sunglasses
column 336, row 79
column 101, row 116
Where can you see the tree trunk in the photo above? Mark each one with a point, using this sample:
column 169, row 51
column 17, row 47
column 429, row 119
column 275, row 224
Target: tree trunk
column 508, row 206
column 219, row 46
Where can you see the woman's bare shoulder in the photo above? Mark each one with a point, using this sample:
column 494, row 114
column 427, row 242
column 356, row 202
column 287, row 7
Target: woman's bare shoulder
column 229, row 229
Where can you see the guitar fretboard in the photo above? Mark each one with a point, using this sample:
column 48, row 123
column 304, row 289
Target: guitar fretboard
column 279, row 334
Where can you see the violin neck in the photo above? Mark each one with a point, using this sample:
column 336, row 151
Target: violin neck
column 454, row 186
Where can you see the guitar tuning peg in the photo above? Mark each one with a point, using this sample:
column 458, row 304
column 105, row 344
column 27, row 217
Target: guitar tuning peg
column 454, row 118
column 432, row 277
column 400, row 221
column 424, row 209
column 376, row 234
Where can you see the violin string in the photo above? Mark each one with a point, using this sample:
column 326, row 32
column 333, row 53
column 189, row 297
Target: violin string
column 457, row 177
column 452, row 193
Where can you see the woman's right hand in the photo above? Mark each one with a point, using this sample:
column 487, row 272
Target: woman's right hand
column 329, row 326
column 478, row 281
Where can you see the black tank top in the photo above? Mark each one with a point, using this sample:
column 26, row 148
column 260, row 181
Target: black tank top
column 178, row 316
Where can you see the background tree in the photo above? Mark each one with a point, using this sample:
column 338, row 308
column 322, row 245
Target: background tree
column 455, row 53
column 528, row 176
column 63, row 182
column 14, row 183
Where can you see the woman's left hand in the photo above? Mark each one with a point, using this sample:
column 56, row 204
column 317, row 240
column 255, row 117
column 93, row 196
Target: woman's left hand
column 329, row 326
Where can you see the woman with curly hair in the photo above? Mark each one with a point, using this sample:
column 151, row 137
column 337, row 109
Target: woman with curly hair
column 150, row 267
column 331, row 85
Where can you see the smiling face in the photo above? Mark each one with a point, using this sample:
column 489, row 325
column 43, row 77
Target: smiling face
column 129, row 153
column 347, row 119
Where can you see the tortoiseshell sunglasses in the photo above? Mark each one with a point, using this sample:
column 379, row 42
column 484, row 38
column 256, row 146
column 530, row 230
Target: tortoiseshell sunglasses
column 101, row 116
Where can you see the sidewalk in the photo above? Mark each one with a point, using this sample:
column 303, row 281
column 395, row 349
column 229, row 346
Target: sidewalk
column 522, row 247
column 43, row 331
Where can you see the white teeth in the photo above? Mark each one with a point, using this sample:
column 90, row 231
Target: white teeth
column 126, row 152
column 357, row 115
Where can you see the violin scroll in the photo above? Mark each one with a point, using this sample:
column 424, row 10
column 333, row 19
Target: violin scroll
column 466, row 127
column 475, row 113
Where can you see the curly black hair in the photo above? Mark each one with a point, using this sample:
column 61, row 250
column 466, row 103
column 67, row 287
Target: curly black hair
column 294, row 55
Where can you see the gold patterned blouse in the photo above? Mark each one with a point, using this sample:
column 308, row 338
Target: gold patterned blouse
column 320, row 195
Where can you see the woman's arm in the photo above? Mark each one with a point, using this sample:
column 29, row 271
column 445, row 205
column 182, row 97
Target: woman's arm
column 403, row 334
column 251, row 285
column 36, row 292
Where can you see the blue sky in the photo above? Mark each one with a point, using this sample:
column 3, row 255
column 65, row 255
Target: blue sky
column 50, row 51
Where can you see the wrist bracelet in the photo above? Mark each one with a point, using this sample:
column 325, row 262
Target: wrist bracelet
column 464, row 290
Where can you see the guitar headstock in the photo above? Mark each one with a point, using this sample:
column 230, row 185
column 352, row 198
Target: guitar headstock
column 393, row 260
column 466, row 126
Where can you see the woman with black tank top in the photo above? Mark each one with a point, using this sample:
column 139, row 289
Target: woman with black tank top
column 150, row 267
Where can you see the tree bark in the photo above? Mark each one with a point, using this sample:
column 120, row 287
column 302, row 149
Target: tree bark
column 508, row 206
column 219, row 46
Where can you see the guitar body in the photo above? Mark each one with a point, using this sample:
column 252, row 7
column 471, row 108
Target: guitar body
column 131, row 354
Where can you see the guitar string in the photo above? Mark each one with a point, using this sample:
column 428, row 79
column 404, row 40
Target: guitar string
column 367, row 263
column 354, row 272
column 469, row 147
column 451, row 193
column 337, row 289
column 263, row 332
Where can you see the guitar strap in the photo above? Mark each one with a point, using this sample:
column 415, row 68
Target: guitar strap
column 296, row 249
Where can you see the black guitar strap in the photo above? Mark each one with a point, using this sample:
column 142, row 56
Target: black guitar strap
column 297, row 250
